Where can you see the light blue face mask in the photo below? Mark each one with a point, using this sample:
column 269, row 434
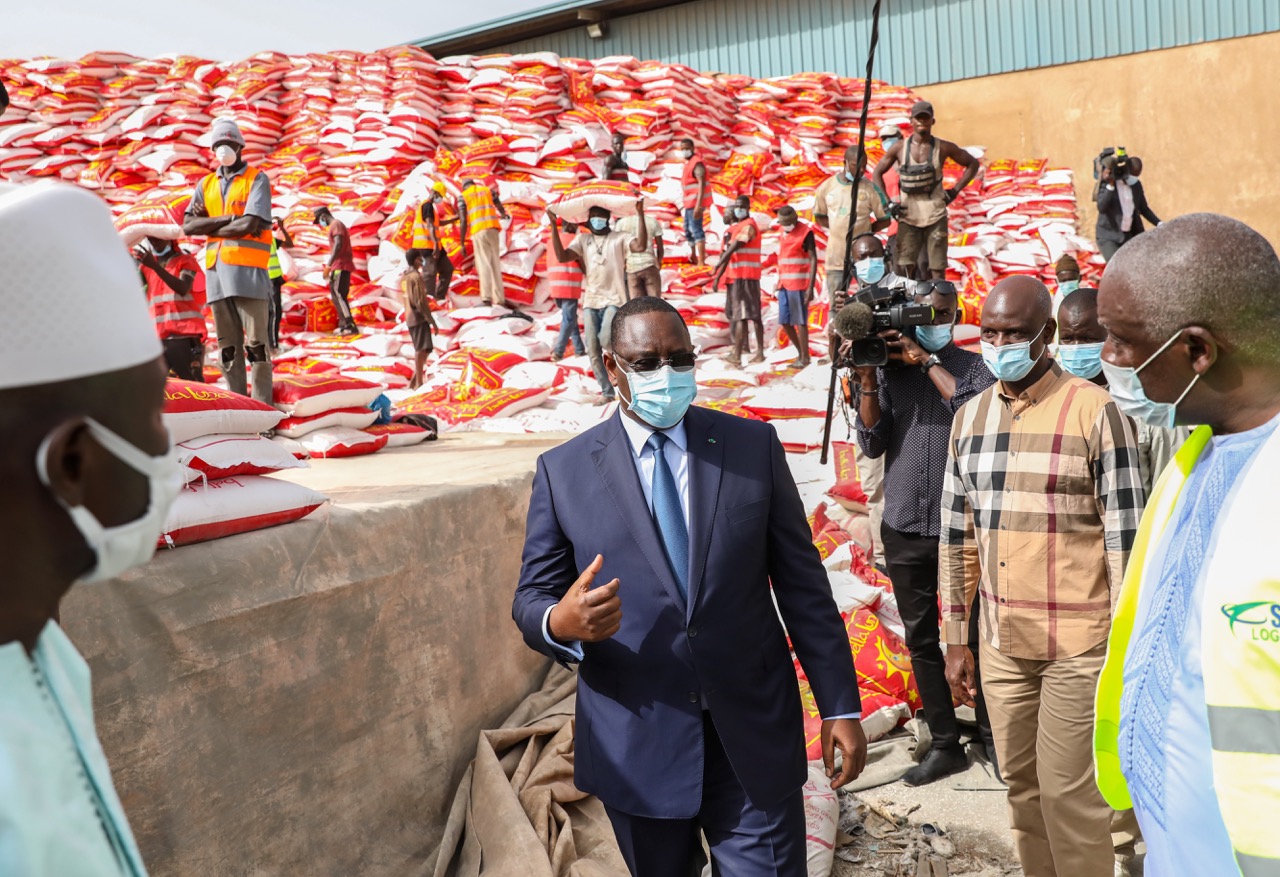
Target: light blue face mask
column 1126, row 389
column 598, row 223
column 741, row 212
column 661, row 397
column 869, row 270
column 1067, row 287
column 934, row 338
column 1012, row 362
column 1082, row 360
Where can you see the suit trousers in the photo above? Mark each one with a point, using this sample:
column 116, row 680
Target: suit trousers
column 487, row 245
column 1108, row 249
column 242, row 325
column 745, row 841
column 912, row 561
column 1042, row 718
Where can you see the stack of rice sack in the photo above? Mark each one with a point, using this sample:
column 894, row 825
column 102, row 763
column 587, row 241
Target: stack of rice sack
column 368, row 134
column 218, row 438
column 325, row 413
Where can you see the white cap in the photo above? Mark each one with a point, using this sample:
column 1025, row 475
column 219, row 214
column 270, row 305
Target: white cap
column 71, row 302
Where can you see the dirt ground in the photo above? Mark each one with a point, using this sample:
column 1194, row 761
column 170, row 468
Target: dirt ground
column 969, row 807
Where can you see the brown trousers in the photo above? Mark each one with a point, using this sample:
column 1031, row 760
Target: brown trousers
column 1042, row 721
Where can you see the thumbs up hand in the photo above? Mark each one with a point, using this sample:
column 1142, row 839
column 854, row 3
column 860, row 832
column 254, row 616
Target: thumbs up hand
column 587, row 613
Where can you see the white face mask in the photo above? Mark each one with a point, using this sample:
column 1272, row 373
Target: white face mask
column 226, row 155
column 131, row 544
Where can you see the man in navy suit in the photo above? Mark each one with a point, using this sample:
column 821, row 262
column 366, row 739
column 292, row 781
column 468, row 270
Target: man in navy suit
column 688, row 714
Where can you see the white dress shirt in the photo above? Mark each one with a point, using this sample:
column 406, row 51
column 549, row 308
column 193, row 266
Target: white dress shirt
column 1126, row 205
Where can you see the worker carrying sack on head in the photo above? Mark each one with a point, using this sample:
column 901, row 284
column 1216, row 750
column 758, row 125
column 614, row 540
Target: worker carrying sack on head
column 232, row 208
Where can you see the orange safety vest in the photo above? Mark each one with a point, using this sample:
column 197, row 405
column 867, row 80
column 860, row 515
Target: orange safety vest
column 565, row 277
column 690, row 184
column 252, row 252
column 744, row 264
column 173, row 314
column 482, row 213
column 793, row 260
column 424, row 237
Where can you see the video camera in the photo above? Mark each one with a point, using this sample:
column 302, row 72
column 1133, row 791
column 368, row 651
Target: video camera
column 1113, row 158
column 870, row 311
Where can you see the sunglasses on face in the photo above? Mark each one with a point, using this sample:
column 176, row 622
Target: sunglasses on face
column 927, row 287
column 681, row 362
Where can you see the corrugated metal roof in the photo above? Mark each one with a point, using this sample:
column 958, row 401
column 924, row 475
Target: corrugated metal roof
column 922, row 41
column 533, row 23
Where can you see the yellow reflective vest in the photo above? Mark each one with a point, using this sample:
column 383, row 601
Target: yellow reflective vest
column 1240, row 652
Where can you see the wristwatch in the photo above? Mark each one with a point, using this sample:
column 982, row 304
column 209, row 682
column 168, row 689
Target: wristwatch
column 930, row 363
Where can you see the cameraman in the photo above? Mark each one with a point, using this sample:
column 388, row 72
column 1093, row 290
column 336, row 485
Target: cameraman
column 1122, row 204
column 869, row 270
column 904, row 414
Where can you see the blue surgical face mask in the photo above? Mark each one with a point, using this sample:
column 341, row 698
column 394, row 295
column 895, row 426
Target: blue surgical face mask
column 869, row 270
column 1082, row 360
column 848, row 177
column 661, row 397
column 1126, row 389
column 1067, row 287
column 741, row 212
column 934, row 338
column 889, row 143
column 1130, row 180
column 598, row 224
column 1012, row 362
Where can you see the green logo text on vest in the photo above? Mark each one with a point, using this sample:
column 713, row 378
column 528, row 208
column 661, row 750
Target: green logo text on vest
column 1260, row 620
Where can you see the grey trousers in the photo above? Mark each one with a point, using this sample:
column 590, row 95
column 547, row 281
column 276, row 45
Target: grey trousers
column 243, row 326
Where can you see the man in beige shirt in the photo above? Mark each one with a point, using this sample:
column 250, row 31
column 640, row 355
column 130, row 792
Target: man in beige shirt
column 1040, row 508
column 831, row 208
column 644, row 270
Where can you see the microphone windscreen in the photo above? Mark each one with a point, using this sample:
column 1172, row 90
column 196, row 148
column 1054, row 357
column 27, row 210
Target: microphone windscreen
column 854, row 321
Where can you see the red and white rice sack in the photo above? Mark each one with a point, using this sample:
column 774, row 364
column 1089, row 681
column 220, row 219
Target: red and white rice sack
column 307, row 395
column 228, row 506
column 225, row 456
column 340, row 441
column 617, row 197
column 159, row 217
column 352, row 418
column 192, row 409
column 399, row 435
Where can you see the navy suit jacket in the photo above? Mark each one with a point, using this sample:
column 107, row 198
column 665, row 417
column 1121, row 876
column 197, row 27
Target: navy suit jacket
column 639, row 734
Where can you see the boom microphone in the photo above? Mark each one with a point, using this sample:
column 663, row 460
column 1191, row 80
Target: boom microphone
column 853, row 321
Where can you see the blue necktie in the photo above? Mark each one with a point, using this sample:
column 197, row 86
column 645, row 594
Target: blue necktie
column 669, row 514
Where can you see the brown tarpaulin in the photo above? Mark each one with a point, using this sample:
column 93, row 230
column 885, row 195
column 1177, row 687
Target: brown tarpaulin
column 517, row 812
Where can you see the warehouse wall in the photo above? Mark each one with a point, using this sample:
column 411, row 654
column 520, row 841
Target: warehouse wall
column 922, row 41
column 1205, row 119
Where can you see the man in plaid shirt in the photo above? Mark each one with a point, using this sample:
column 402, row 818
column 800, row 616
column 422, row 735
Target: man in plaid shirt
column 1040, row 507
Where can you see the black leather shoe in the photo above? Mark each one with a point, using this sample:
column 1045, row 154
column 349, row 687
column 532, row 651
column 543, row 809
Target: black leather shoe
column 937, row 764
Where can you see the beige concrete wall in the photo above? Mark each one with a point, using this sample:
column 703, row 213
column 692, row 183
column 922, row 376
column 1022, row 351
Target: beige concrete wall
column 1182, row 110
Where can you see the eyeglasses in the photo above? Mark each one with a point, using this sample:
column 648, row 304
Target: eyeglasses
column 681, row 362
column 926, row 287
